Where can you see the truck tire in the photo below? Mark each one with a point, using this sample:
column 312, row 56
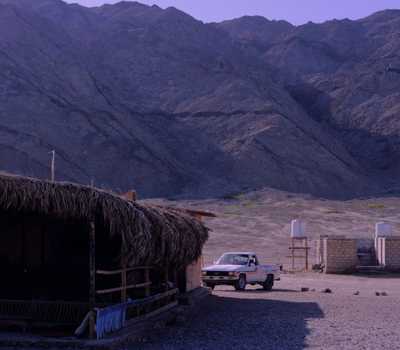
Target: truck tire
column 240, row 284
column 268, row 283
column 209, row 285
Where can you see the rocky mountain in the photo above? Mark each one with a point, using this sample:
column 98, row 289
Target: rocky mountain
column 345, row 74
column 134, row 96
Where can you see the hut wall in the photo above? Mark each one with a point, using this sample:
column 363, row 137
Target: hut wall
column 193, row 275
column 42, row 259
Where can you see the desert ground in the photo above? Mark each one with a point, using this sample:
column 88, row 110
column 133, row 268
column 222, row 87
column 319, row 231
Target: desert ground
column 260, row 221
column 351, row 317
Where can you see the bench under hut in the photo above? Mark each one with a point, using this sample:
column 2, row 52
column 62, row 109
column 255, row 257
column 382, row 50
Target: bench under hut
column 68, row 249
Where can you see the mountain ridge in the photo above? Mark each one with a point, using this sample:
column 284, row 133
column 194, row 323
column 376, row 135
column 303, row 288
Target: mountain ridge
column 134, row 96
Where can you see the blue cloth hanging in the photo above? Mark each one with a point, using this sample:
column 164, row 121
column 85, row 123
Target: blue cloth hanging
column 110, row 319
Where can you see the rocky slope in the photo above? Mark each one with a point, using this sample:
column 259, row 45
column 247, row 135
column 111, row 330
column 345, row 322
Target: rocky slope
column 345, row 74
column 132, row 96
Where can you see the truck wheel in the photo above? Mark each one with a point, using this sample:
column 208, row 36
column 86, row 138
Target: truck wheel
column 208, row 285
column 269, row 282
column 240, row 284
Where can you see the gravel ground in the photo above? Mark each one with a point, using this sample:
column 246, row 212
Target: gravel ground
column 289, row 319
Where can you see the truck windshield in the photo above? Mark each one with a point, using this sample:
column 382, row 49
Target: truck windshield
column 233, row 259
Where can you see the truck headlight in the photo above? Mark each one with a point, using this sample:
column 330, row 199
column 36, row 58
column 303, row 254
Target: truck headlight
column 232, row 273
column 204, row 273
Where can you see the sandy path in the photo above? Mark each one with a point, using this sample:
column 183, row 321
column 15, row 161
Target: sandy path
column 289, row 319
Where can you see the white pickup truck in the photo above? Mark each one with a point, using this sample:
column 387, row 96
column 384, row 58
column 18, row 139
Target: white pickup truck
column 239, row 269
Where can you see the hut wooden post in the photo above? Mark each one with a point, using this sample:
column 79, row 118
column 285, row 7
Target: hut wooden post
column 147, row 280
column 175, row 277
column 92, row 277
column 166, row 276
column 123, row 279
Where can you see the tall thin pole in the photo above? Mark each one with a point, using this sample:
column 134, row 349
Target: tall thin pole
column 306, row 246
column 293, row 244
column 53, row 165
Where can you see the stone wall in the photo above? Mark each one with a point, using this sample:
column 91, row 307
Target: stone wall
column 340, row 255
column 319, row 246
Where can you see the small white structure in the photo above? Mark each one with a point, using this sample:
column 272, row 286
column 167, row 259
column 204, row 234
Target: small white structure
column 383, row 229
column 298, row 243
column 298, row 229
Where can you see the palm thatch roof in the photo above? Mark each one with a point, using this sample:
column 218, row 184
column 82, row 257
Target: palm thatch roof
column 150, row 234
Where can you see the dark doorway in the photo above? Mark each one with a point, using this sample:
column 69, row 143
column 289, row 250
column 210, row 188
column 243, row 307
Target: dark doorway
column 42, row 258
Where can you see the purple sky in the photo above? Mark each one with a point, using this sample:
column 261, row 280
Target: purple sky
column 294, row 11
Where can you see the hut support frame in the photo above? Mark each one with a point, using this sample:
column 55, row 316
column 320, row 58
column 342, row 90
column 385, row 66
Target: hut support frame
column 92, row 274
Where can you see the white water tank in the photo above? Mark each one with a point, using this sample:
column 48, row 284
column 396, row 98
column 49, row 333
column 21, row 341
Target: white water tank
column 383, row 229
column 298, row 229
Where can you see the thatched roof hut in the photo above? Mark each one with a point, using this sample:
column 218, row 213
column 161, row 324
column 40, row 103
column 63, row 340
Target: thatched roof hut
column 149, row 234
column 68, row 249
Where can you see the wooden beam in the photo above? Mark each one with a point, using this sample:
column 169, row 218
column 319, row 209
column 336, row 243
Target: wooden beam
column 130, row 195
column 92, row 278
column 302, row 247
column 118, row 289
column 117, row 272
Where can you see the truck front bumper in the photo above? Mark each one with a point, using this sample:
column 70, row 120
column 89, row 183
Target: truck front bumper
column 219, row 279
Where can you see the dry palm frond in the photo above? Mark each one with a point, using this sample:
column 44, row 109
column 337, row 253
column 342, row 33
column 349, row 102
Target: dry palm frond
column 150, row 234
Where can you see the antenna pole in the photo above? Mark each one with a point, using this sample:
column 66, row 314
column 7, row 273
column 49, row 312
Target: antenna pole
column 53, row 165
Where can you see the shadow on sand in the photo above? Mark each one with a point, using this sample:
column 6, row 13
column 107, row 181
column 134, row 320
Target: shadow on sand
column 240, row 323
column 259, row 290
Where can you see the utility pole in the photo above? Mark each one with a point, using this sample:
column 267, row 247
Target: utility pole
column 53, row 165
